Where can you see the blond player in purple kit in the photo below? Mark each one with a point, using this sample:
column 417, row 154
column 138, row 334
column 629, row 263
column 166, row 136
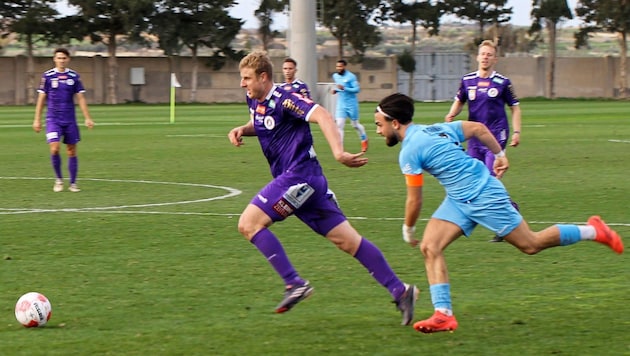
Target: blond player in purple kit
column 487, row 93
column 57, row 89
column 281, row 122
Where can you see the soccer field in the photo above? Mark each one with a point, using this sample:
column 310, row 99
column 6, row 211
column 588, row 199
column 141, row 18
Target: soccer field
column 147, row 260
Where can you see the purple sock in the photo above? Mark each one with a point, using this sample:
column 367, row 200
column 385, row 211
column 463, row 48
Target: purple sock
column 73, row 167
column 56, row 163
column 269, row 245
column 372, row 258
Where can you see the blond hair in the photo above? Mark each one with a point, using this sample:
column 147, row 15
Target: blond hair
column 259, row 61
column 488, row 43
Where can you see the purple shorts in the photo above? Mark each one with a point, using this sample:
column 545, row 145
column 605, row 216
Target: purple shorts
column 308, row 197
column 69, row 132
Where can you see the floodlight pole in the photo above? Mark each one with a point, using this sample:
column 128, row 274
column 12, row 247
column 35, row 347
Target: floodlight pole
column 302, row 40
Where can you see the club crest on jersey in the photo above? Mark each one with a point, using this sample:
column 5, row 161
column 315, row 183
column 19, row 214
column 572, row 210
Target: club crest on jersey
column 269, row 122
column 493, row 92
column 70, row 81
column 472, row 93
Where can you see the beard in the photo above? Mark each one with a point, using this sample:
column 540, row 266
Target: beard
column 391, row 141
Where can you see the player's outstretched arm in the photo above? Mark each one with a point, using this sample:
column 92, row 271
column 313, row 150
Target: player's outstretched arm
column 329, row 128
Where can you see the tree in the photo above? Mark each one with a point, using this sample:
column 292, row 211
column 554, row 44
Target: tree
column 33, row 20
column 194, row 24
column 610, row 16
column 549, row 13
column 482, row 12
column 428, row 14
column 353, row 22
column 107, row 21
column 264, row 14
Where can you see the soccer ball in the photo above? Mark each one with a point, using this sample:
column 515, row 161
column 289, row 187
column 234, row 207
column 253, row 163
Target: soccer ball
column 33, row 310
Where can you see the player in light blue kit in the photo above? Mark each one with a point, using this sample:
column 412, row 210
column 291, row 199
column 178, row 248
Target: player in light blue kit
column 57, row 89
column 473, row 197
column 281, row 121
column 347, row 86
column 291, row 83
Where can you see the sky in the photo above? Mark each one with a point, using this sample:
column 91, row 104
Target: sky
column 245, row 10
column 521, row 13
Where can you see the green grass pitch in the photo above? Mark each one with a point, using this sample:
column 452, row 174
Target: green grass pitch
column 147, row 260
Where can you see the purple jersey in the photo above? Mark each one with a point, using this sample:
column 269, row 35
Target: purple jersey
column 60, row 88
column 284, row 134
column 297, row 86
column 486, row 99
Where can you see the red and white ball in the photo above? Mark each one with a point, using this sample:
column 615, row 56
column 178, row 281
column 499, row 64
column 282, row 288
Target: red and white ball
column 33, row 310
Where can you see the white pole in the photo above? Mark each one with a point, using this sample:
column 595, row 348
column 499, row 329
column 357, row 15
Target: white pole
column 302, row 41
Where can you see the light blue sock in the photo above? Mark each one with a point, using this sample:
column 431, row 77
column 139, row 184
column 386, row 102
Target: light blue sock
column 441, row 296
column 569, row 234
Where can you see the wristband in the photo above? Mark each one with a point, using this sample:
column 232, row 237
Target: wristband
column 517, row 132
column 500, row 154
column 408, row 232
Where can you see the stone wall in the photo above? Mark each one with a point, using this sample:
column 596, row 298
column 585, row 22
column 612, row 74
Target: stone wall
column 575, row 78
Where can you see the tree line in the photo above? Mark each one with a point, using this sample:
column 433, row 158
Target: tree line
column 195, row 24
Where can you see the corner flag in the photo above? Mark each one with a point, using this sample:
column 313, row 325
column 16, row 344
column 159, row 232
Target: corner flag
column 174, row 84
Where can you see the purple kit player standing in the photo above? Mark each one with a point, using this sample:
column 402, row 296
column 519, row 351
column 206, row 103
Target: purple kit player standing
column 281, row 121
column 291, row 83
column 57, row 89
column 487, row 92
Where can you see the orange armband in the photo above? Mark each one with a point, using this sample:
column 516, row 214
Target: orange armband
column 414, row 180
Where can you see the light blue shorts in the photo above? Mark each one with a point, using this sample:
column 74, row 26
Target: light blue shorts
column 492, row 209
column 347, row 111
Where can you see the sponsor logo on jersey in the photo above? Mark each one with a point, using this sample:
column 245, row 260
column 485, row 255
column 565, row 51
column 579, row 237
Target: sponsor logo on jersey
column 260, row 109
column 472, row 93
column 54, row 83
column 290, row 105
column 406, row 169
column 483, row 84
column 497, row 80
column 283, row 208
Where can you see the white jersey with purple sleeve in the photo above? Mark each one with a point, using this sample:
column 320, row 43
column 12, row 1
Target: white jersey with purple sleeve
column 297, row 86
column 437, row 150
column 487, row 98
column 60, row 88
column 284, row 134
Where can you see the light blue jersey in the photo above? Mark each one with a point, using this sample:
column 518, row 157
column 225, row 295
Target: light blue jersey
column 437, row 149
column 347, row 102
column 473, row 196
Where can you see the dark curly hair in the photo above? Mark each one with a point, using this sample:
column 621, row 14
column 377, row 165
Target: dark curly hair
column 397, row 106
